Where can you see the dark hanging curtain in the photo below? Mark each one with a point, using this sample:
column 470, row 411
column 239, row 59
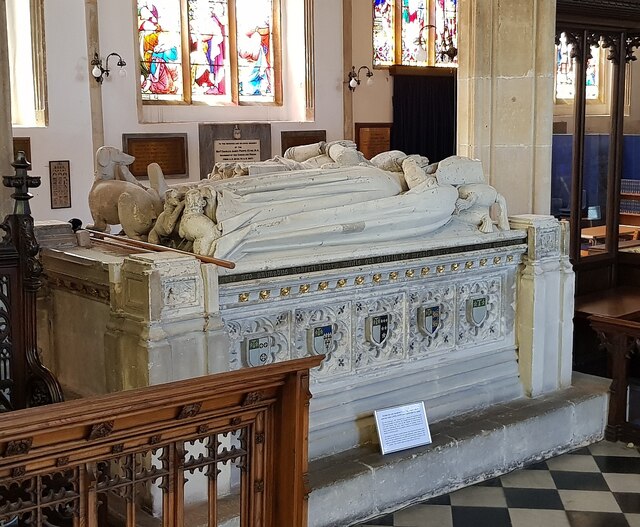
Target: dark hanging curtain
column 424, row 116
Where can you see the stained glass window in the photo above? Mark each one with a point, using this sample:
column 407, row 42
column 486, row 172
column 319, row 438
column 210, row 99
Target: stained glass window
column 426, row 34
column 255, row 50
column 209, row 45
column 446, row 32
column 383, row 31
column 566, row 71
column 414, row 38
column 215, row 68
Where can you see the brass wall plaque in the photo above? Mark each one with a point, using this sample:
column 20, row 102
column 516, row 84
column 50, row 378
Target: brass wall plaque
column 373, row 138
column 168, row 150
column 289, row 138
column 60, row 184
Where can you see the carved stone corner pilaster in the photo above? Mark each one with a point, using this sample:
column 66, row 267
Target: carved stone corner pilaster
column 544, row 235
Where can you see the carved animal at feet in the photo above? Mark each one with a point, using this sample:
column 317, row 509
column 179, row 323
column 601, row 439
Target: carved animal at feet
column 474, row 206
column 116, row 197
column 168, row 218
column 195, row 226
column 475, row 197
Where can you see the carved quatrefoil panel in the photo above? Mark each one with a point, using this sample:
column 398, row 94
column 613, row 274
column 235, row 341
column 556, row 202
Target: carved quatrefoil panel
column 490, row 328
column 431, row 320
column 392, row 348
column 275, row 327
column 335, row 321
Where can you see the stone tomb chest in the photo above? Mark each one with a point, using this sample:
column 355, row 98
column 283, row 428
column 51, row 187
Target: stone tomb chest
column 460, row 324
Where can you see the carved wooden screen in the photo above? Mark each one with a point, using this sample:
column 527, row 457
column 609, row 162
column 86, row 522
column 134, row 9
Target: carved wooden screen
column 24, row 381
column 10, row 376
column 129, row 458
column 613, row 28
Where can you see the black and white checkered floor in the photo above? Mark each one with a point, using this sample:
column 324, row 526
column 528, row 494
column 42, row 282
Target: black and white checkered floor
column 597, row 486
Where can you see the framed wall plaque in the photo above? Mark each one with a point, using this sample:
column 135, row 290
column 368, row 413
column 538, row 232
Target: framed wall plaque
column 168, row 150
column 373, row 138
column 60, row 184
column 291, row 138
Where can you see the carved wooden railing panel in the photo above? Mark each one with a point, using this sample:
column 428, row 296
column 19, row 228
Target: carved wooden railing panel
column 621, row 339
column 133, row 451
column 24, row 381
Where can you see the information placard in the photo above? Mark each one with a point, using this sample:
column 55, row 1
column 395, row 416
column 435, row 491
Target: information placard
column 60, row 184
column 236, row 150
column 402, row 427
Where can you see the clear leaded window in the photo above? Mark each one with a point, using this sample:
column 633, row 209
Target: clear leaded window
column 26, row 50
column 415, row 32
column 212, row 51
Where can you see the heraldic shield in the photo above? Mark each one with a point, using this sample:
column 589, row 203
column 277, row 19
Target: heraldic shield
column 257, row 351
column 377, row 328
column 320, row 339
column 477, row 309
column 429, row 319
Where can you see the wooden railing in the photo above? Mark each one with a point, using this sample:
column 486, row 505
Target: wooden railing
column 150, row 456
column 621, row 339
column 24, row 381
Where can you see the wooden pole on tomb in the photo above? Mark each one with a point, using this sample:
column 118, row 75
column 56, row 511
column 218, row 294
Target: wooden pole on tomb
column 154, row 247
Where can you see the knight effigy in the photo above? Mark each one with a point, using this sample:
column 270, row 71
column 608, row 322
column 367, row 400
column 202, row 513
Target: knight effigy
column 320, row 197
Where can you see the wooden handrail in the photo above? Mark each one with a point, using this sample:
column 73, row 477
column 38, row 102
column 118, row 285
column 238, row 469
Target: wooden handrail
column 620, row 325
column 104, row 448
column 155, row 247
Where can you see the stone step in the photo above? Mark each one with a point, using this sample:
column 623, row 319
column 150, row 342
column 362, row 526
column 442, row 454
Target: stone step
column 359, row 484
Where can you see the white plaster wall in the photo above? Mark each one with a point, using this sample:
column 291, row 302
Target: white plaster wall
column 117, row 34
column 68, row 134
column 371, row 104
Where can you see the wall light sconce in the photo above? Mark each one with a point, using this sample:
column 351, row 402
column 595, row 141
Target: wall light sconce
column 354, row 77
column 99, row 72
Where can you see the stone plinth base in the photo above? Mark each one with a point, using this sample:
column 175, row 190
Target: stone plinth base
column 360, row 484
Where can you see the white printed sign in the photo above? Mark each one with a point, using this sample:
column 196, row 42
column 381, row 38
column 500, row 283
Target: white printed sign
column 236, row 150
column 402, row 427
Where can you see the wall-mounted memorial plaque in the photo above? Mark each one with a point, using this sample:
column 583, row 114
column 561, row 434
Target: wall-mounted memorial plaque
column 168, row 150
column 60, row 184
column 373, row 138
column 253, row 143
column 301, row 137
column 22, row 144
column 236, row 150
column 402, row 427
